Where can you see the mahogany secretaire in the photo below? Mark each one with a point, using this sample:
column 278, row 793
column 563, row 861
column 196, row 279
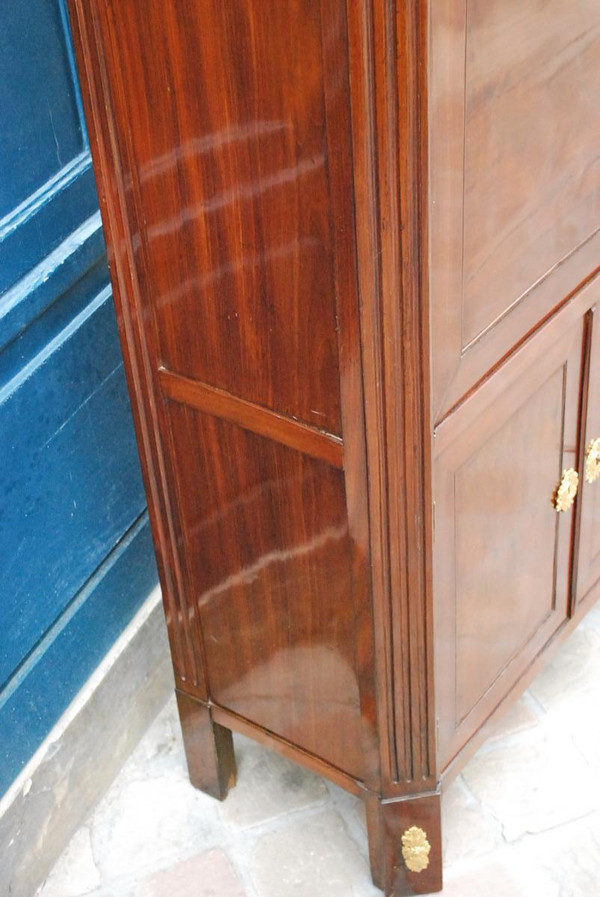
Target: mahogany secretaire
column 353, row 247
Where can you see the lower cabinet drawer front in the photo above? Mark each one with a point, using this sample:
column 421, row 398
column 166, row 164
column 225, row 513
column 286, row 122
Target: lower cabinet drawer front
column 502, row 551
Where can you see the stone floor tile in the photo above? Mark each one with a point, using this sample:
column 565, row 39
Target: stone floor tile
column 468, row 830
column 572, row 678
column 353, row 811
column 76, row 873
column 569, row 856
column 585, row 732
column 569, row 687
column 147, row 824
column 268, row 785
column 503, row 876
column 592, row 619
column 523, row 782
column 161, row 749
column 313, row 857
column 518, row 718
column 209, row 874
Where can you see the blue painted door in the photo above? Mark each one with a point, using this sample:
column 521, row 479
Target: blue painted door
column 75, row 553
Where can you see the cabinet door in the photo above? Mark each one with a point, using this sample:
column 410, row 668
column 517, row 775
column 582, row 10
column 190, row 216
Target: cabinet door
column 501, row 549
column 587, row 544
column 515, row 175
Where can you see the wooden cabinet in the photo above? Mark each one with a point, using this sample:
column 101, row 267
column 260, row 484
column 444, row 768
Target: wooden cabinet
column 353, row 249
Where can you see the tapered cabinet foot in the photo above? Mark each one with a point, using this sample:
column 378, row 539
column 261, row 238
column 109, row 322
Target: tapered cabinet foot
column 208, row 748
column 405, row 845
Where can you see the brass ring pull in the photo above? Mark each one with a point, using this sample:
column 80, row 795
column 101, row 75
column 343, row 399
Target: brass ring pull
column 567, row 490
column 592, row 461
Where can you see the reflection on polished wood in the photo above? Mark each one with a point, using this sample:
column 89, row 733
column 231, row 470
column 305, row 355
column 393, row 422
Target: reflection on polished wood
column 353, row 249
column 259, row 420
column 274, row 600
column 227, row 169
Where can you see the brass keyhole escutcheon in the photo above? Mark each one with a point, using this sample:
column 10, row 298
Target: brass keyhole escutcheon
column 592, row 461
column 415, row 849
column 567, row 490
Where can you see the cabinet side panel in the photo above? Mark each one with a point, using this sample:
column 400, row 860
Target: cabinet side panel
column 270, row 575
column 224, row 146
column 222, row 108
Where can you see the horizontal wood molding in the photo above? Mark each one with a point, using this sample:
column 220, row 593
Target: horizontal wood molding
column 237, row 723
column 257, row 419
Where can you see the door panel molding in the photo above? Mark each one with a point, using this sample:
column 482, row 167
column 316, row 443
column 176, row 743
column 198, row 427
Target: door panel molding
column 502, row 550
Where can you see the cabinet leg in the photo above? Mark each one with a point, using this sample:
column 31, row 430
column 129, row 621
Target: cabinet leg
column 405, row 844
column 208, row 748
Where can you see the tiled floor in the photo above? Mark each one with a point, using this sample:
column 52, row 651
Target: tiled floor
column 522, row 819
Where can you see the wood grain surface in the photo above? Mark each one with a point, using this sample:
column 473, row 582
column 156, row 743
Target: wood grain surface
column 294, row 195
column 237, row 291
column 227, row 166
column 503, row 551
column 515, row 176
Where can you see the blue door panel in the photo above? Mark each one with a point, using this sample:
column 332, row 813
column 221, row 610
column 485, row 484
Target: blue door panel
column 72, row 649
column 76, row 559
column 70, row 468
column 19, row 352
column 46, row 221
column 47, row 186
column 73, row 260
column 41, row 127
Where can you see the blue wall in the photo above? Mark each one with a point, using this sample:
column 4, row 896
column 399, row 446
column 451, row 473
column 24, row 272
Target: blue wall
column 76, row 559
